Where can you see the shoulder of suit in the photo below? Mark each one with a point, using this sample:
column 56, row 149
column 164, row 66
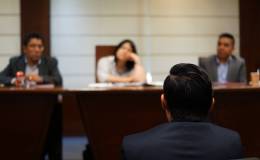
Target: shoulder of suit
column 15, row 59
column 238, row 59
column 207, row 59
column 49, row 59
column 224, row 132
column 212, row 57
column 138, row 138
column 133, row 144
column 148, row 134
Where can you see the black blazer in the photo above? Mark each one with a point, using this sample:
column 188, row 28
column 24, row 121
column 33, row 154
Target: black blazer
column 183, row 141
column 48, row 69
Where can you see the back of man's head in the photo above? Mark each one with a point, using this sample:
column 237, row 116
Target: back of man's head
column 188, row 93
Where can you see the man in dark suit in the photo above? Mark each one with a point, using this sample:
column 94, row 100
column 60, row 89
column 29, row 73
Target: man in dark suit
column 186, row 100
column 39, row 70
column 36, row 67
column 224, row 66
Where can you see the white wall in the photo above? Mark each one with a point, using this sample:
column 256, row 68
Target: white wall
column 166, row 32
column 9, row 30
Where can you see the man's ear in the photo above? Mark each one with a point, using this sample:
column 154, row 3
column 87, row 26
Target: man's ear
column 163, row 103
column 212, row 105
column 165, row 107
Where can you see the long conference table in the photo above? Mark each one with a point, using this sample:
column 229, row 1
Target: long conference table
column 109, row 114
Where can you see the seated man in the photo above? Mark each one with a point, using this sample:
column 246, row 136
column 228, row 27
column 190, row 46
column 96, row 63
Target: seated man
column 225, row 67
column 186, row 100
column 36, row 67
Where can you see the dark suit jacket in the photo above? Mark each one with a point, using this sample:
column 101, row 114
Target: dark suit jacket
column 183, row 141
column 236, row 70
column 48, row 69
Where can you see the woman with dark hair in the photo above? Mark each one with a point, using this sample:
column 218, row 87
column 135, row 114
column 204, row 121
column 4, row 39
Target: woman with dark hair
column 123, row 66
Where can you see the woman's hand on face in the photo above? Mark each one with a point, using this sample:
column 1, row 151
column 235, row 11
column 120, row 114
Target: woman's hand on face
column 134, row 57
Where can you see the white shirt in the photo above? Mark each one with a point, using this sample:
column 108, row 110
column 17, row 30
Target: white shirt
column 107, row 66
column 32, row 70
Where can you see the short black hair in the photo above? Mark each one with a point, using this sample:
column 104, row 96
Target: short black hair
column 227, row 35
column 129, row 64
column 27, row 37
column 188, row 92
